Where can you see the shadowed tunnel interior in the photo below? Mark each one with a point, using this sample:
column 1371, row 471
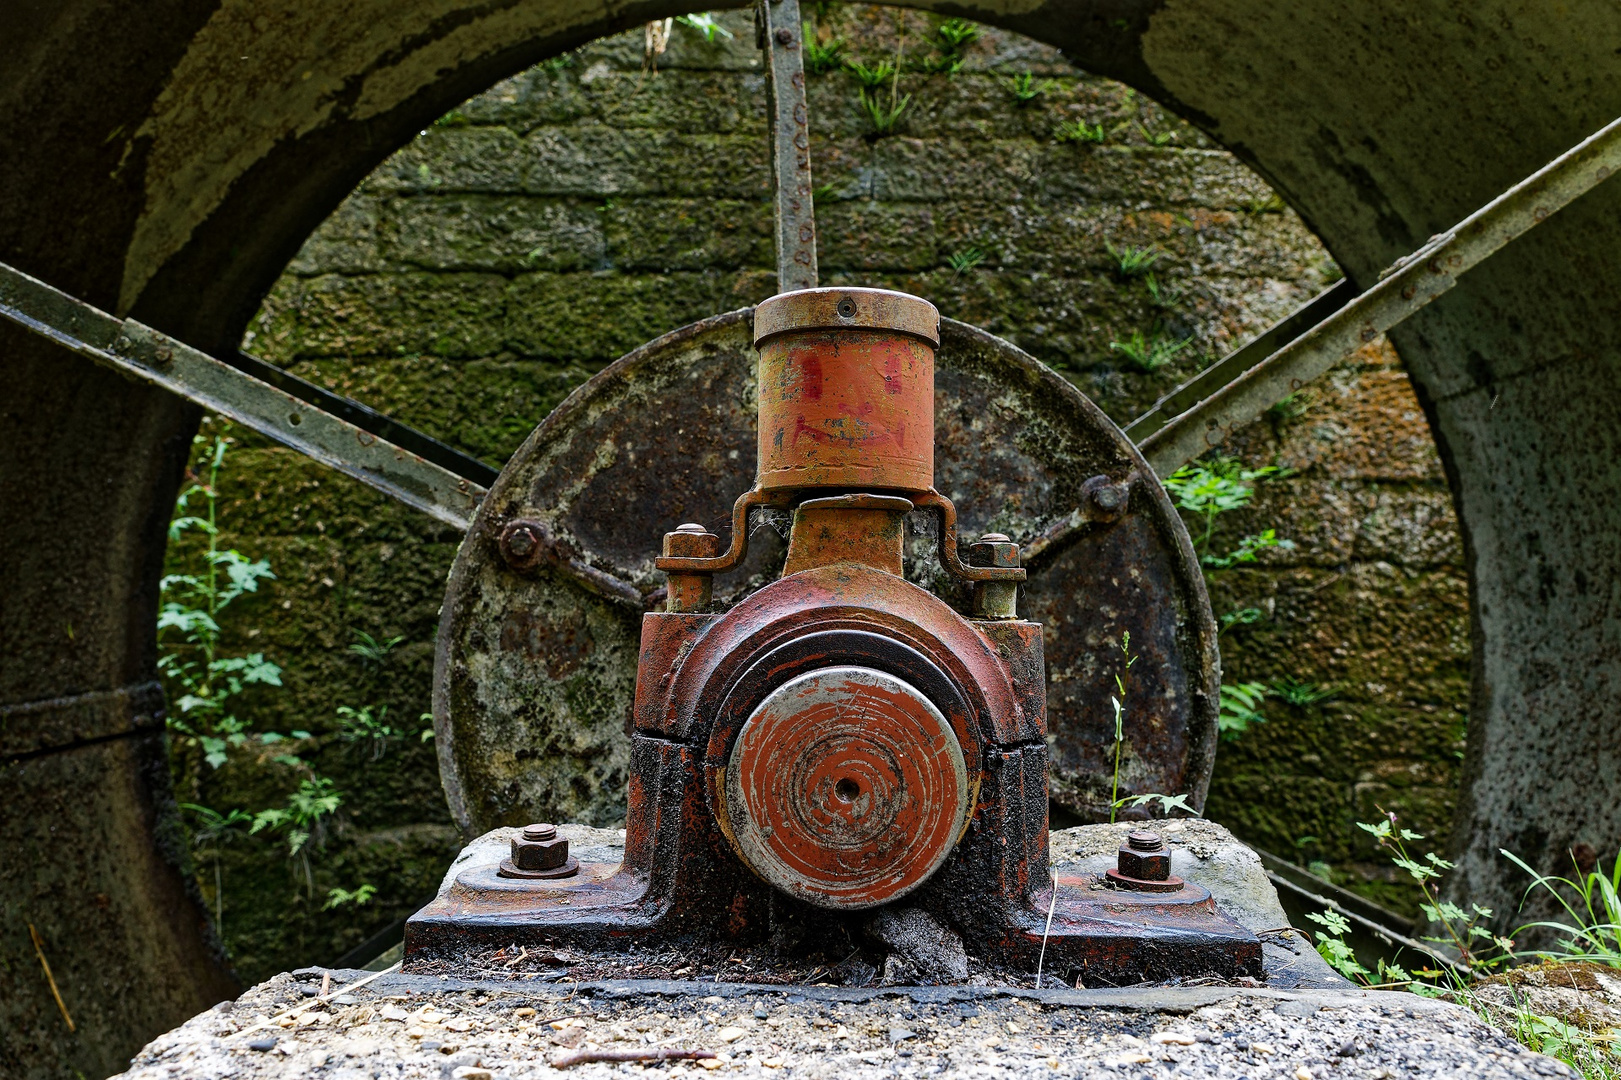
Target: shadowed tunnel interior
column 165, row 161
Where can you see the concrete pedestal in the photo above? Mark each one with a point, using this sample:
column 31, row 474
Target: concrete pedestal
column 513, row 1021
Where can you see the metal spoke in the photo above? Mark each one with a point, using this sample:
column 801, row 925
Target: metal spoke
column 781, row 37
column 1404, row 288
column 141, row 352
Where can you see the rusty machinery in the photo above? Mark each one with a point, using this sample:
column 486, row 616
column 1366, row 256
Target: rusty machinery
column 839, row 738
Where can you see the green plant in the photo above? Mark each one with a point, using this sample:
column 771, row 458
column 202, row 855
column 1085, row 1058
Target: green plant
column 367, row 724
column 965, row 260
column 1477, row 949
column 957, row 34
column 1241, row 617
column 1122, row 679
column 1149, row 354
column 1025, row 89
column 1569, row 1043
column 951, row 37
column 303, row 822
column 822, row 57
column 872, row 78
column 339, row 897
column 1331, row 946
column 1218, row 486
column 1248, row 548
column 1239, row 707
column 1594, row 932
column 191, row 657
column 1293, row 407
column 210, row 833
column 1267, row 204
column 1078, row 131
column 884, row 118
column 1132, row 262
column 1164, row 296
column 371, row 650
column 1156, row 138
column 706, row 24
column 1301, row 695
column 1167, row 803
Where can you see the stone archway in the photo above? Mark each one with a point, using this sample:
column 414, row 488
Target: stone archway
column 167, row 163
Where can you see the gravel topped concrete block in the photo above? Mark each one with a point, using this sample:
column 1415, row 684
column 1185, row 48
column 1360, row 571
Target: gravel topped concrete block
column 1305, row 1024
column 408, row 1027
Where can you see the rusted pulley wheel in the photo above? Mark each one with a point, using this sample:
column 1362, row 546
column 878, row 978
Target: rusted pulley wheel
column 537, row 648
column 846, row 788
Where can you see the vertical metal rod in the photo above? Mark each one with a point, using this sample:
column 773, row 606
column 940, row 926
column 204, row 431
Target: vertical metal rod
column 781, row 38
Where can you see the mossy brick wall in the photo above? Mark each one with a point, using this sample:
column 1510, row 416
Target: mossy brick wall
column 587, row 205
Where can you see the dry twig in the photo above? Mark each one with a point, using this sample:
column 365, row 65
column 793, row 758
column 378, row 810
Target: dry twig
column 39, row 950
column 585, row 1057
column 300, row 1009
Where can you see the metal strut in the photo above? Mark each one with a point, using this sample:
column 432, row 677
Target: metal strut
column 137, row 350
column 1405, row 287
column 781, row 37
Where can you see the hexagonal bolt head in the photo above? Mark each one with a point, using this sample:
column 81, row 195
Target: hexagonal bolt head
column 1105, row 499
column 1143, row 856
column 522, row 543
column 539, row 848
column 691, row 541
column 993, row 549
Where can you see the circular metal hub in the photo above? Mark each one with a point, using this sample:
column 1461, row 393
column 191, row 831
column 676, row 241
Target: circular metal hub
column 846, row 788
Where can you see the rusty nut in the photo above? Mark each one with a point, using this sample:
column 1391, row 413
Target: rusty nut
column 691, row 541
column 1144, row 858
column 1106, row 500
column 539, row 848
column 523, row 543
column 993, row 549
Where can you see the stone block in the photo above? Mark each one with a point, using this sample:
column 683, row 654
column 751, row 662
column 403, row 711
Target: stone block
column 862, row 235
column 603, row 316
column 601, row 162
column 505, row 233
column 484, row 407
column 658, row 234
column 348, row 242
column 455, row 158
column 441, row 314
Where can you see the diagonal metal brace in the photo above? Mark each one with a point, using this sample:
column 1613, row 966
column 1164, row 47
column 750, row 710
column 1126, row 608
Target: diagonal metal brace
column 1404, row 288
column 140, row 352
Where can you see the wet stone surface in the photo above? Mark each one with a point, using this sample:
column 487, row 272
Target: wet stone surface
column 434, row 1028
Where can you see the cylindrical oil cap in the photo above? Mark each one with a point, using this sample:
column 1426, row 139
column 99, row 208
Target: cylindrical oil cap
column 847, row 309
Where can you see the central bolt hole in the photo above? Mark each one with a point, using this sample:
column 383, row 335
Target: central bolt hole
column 847, row 308
column 847, row 789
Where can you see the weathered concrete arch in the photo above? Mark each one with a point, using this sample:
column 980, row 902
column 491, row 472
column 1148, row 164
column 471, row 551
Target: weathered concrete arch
column 167, row 160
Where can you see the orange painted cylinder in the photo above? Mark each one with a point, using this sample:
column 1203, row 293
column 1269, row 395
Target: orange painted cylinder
column 846, row 390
